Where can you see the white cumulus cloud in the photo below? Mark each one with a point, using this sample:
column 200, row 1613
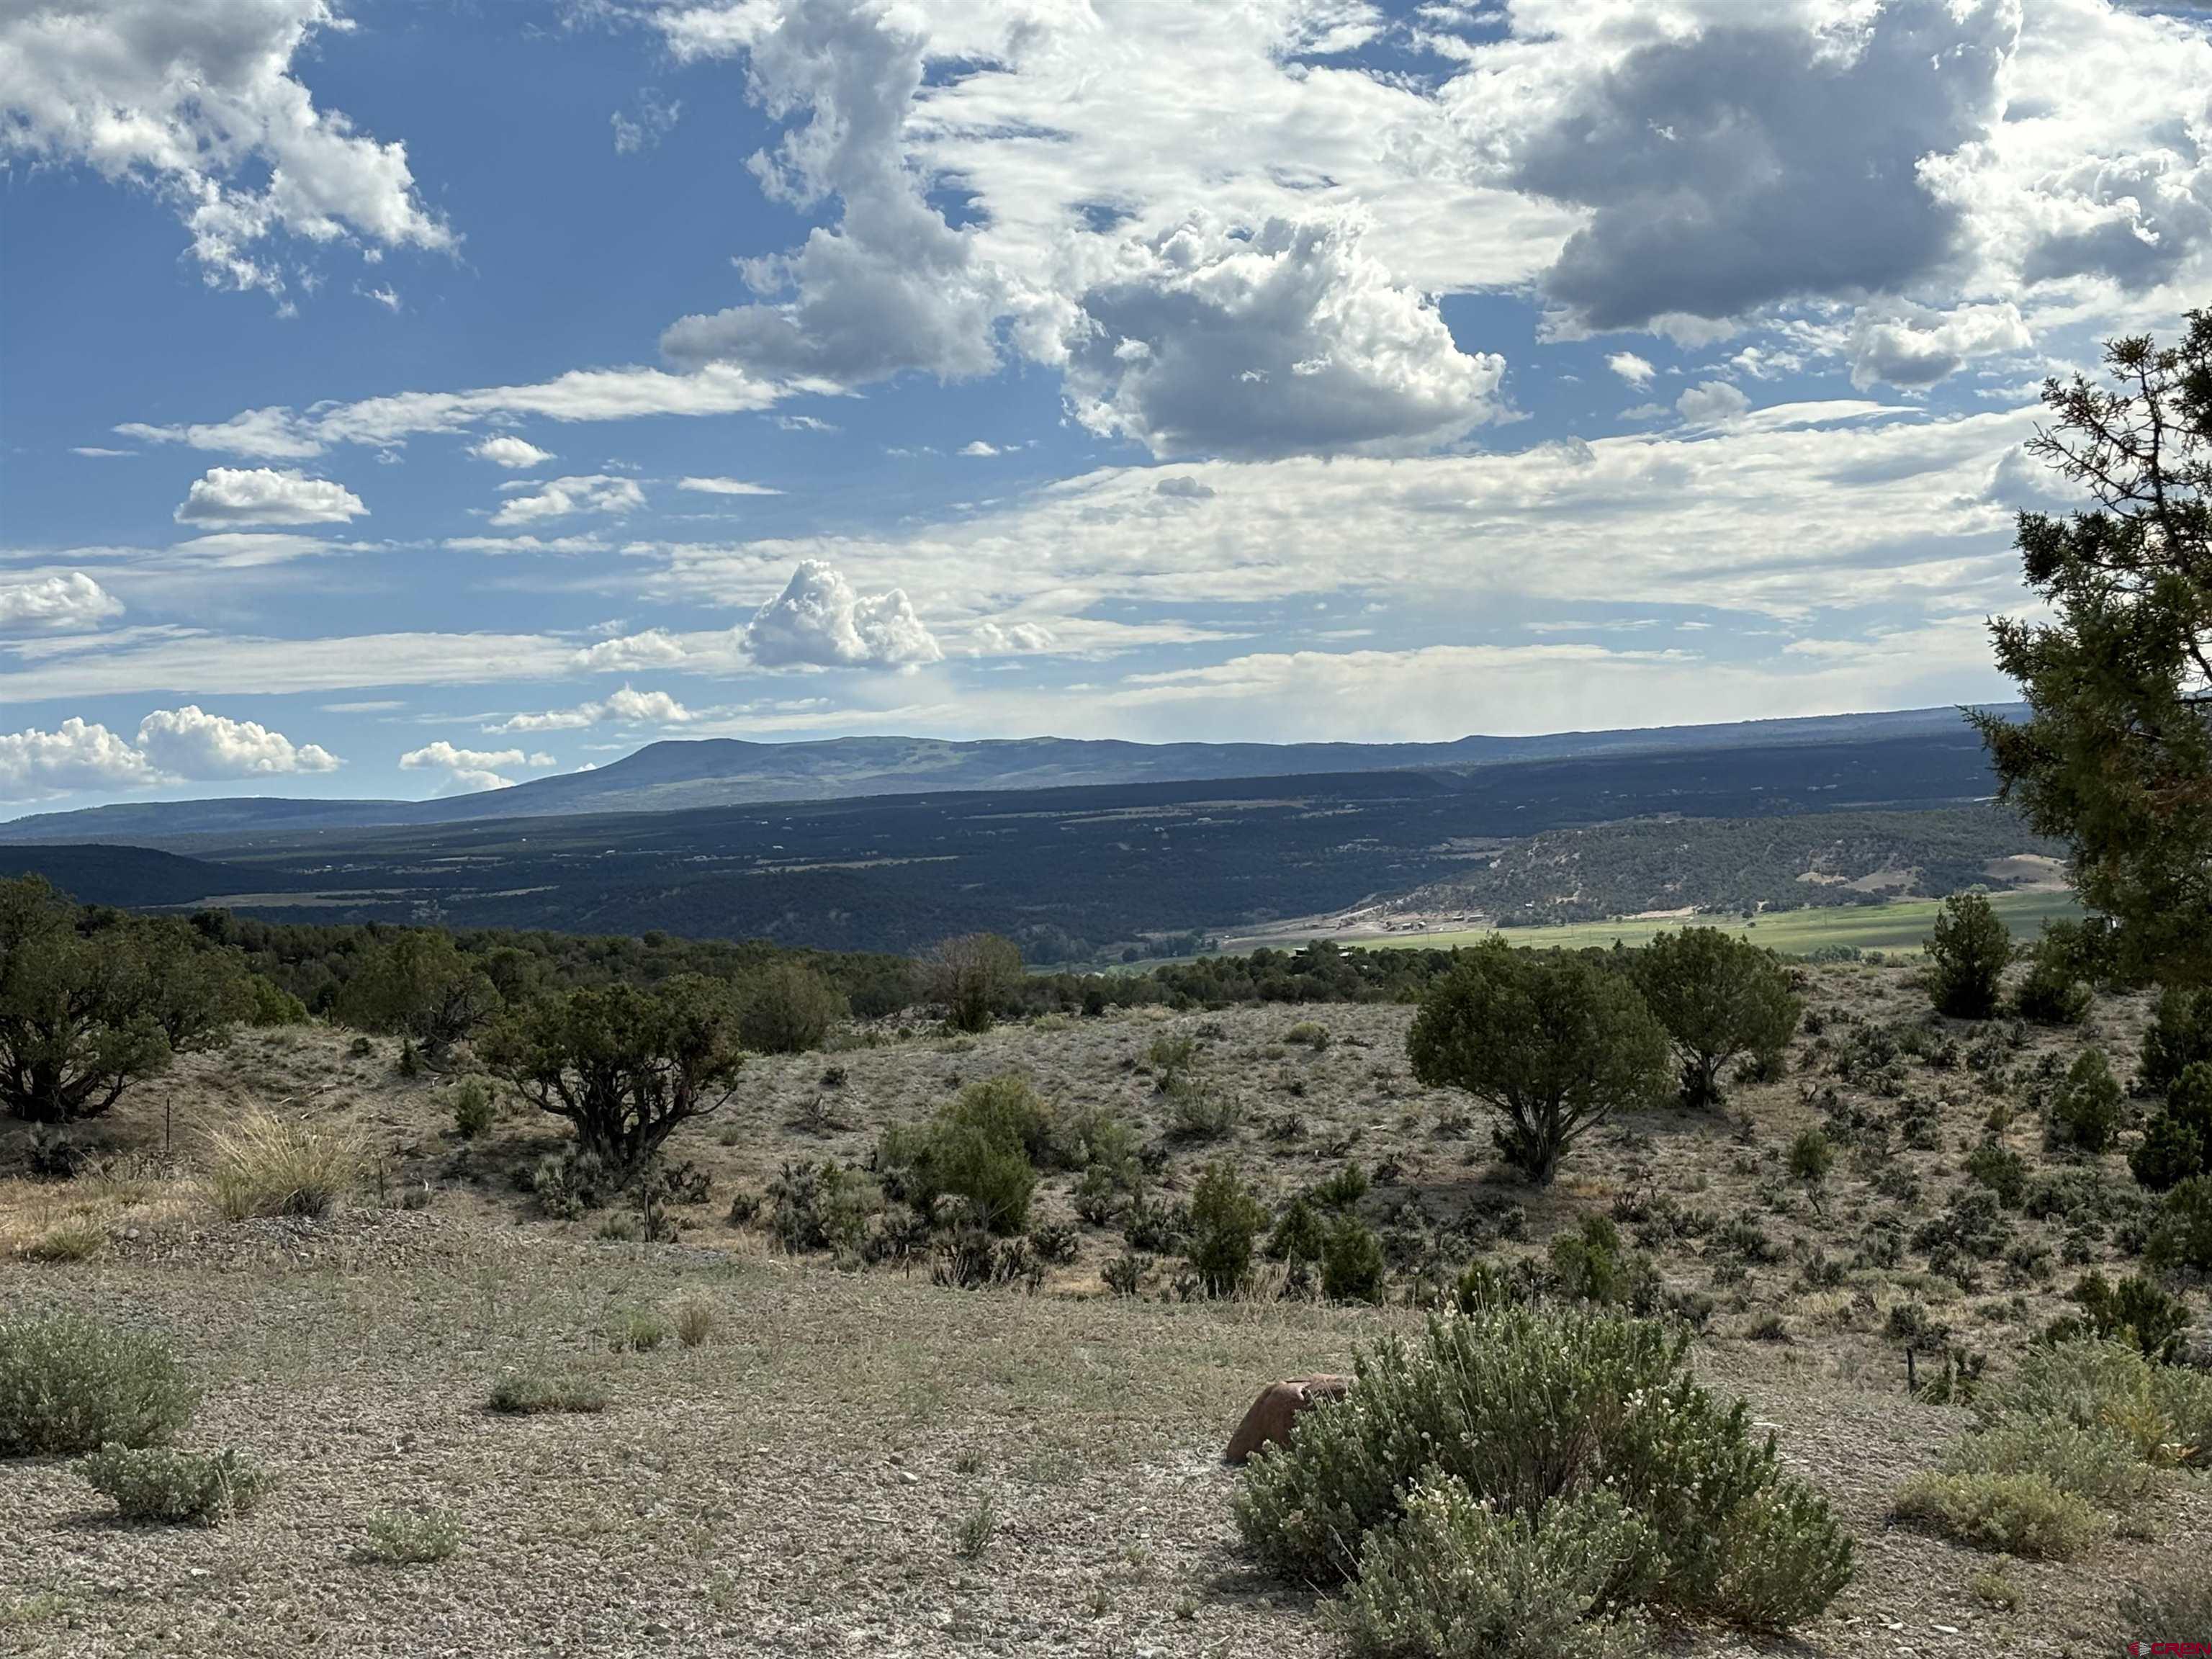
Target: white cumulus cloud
column 469, row 771
column 505, row 449
column 627, row 707
column 557, row 498
column 1710, row 404
column 62, row 604
column 819, row 621
column 189, row 743
column 1636, row 370
column 655, row 648
column 1907, row 346
column 262, row 494
column 199, row 100
column 77, row 756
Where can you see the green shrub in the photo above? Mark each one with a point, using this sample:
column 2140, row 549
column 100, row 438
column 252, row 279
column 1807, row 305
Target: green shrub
column 1590, row 1266
column 787, row 1009
column 2022, row 1515
column 635, row 1330
column 2179, row 1037
column 474, row 1107
column 2182, row 1398
column 1523, row 1406
column 820, row 1206
column 2088, row 1108
column 1310, row 1032
column 2182, row 1237
column 272, row 1166
column 2092, row 1385
column 1343, row 1189
column 573, row 1181
column 406, row 1538
column 2172, row 1150
column 530, row 1393
column 2004, row 1171
column 980, row 1148
column 1352, row 1264
column 157, row 1484
column 1299, row 1234
column 1199, row 1111
column 1453, row 1577
column 1225, row 1221
column 2135, row 1312
column 2096, row 1465
column 269, row 1004
column 1967, row 958
column 2052, row 992
column 70, row 1384
column 1811, row 1156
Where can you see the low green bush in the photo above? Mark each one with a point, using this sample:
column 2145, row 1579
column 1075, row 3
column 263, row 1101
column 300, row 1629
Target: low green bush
column 2163, row 1411
column 820, row 1206
column 1811, row 1156
column 1453, row 1576
column 2134, row 1311
column 2023, row 1514
column 981, row 1147
column 70, row 1384
column 407, row 1538
column 529, row 1393
column 787, row 1009
column 1591, row 1265
column 2095, row 1465
column 1524, row 1406
column 159, row 1484
column 2001, row 1169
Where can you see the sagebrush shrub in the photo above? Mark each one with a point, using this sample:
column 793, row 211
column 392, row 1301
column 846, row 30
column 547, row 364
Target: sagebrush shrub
column 1523, row 1406
column 820, row 1206
column 2000, row 1169
column 2097, row 1385
column 71, row 1384
column 1453, row 1577
column 1592, row 1266
column 2024, row 1515
column 1201, row 1111
column 272, row 1166
column 2097, row 1465
column 159, row 1484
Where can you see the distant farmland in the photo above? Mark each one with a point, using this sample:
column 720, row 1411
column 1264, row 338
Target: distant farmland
column 1900, row 925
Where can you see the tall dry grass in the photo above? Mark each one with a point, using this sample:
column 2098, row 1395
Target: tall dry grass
column 268, row 1164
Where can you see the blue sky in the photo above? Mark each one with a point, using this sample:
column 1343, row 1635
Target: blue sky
column 398, row 399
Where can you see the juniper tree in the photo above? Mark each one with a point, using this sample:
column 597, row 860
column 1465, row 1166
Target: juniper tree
column 2115, row 755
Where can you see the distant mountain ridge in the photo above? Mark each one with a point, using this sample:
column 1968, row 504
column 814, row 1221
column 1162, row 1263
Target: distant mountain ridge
column 683, row 774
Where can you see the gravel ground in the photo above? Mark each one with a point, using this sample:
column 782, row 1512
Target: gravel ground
column 799, row 1482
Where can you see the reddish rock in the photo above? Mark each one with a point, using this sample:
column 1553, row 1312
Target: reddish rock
column 1268, row 1422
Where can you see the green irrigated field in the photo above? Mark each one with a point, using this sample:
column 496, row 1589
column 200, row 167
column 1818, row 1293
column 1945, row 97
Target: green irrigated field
column 1899, row 926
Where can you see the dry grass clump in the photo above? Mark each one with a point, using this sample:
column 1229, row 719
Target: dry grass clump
column 268, row 1164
